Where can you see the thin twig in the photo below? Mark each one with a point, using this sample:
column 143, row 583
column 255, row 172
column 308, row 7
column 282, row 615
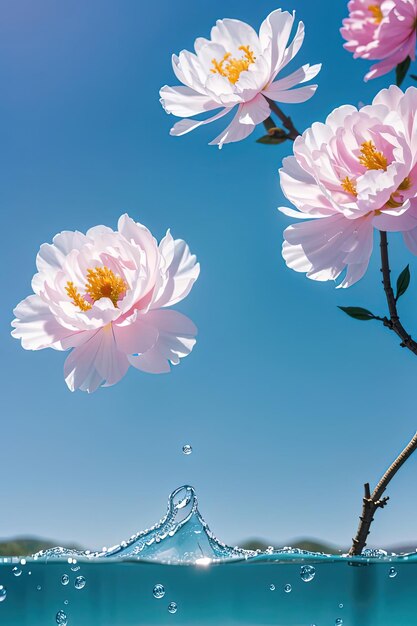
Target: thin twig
column 374, row 501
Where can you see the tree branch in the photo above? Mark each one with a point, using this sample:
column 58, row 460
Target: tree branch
column 372, row 502
column 293, row 133
column 393, row 322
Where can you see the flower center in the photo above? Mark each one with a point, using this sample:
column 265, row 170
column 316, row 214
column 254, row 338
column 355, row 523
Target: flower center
column 371, row 158
column 376, row 11
column 232, row 68
column 102, row 282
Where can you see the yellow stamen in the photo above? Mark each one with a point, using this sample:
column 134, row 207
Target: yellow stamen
column 376, row 11
column 392, row 202
column 75, row 297
column 232, row 68
column 102, row 282
column 371, row 158
column 349, row 185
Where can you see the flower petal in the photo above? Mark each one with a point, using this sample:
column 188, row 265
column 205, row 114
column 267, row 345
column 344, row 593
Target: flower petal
column 302, row 75
column 96, row 362
column 185, row 126
column 179, row 274
column 274, row 34
column 185, row 102
column 176, row 339
column 324, row 248
column 36, row 326
column 302, row 94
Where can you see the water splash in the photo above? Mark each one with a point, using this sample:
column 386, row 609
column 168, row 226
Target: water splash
column 182, row 536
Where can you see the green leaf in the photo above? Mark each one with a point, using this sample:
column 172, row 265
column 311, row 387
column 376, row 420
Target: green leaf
column 401, row 70
column 403, row 282
column 272, row 139
column 357, row 312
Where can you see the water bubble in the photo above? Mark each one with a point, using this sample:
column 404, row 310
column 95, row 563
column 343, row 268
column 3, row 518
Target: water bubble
column 61, row 618
column 16, row 571
column 172, row 607
column 65, row 602
column 272, row 587
column 65, row 579
column 3, row 593
column 75, row 568
column 340, row 606
column 307, row 573
column 187, row 449
column 22, row 561
column 79, row 582
column 287, row 588
column 38, row 587
column 392, row 572
column 159, row 591
column 339, row 622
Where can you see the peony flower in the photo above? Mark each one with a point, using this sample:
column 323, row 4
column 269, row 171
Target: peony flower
column 238, row 67
column 383, row 30
column 105, row 294
column 356, row 172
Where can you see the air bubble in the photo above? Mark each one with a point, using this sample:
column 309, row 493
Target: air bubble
column 80, row 582
column 159, row 591
column 307, row 573
column 392, row 572
column 172, row 607
column 287, row 588
column 187, row 449
column 65, row 579
column 61, row 618
column 3, row 593
column 17, row 571
column 272, row 587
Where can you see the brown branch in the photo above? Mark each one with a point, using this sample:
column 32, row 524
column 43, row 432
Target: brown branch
column 393, row 322
column 374, row 501
column 293, row 133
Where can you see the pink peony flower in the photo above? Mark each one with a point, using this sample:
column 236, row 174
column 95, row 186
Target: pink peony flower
column 237, row 67
column 104, row 295
column 356, row 172
column 383, row 30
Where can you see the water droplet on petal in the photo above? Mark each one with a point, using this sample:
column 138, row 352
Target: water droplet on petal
column 65, row 579
column 61, row 618
column 172, row 607
column 272, row 587
column 187, row 449
column 159, row 591
column 80, row 582
column 3, row 593
column 17, row 571
column 307, row 573
column 392, row 572
column 287, row 588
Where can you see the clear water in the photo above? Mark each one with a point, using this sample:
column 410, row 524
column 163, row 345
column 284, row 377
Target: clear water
column 178, row 572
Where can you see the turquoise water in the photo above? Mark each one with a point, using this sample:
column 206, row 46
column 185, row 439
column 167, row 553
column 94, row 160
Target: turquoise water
column 179, row 573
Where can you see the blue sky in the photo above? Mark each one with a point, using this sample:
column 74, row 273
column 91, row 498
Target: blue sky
column 289, row 405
